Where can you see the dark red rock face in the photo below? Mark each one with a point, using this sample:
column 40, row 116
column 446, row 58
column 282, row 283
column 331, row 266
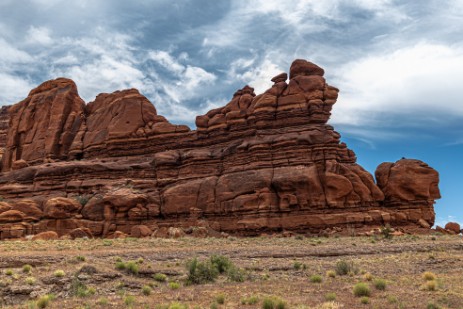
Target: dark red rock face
column 262, row 163
column 43, row 126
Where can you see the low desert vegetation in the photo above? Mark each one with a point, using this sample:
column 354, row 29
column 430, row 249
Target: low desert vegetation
column 429, row 276
column 27, row 269
column 30, row 280
column 316, row 279
column 234, row 273
column 160, row 277
column 380, row 284
column 330, row 296
column 361, row 289
column 174, row 285
column 44, row 301
column 274, row 302
column 146, row 290
column 59, row 273
column 344, row 268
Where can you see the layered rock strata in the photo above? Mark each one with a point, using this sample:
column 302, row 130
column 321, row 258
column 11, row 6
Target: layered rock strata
column 262, row 163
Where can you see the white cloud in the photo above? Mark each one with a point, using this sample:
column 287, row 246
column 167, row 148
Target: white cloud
column 39, row 35
column 104, row 75
column 10, row 55
column 186, row 81
column 13, row 88
column 419, row 79
column 167, row 61
column 258, row 76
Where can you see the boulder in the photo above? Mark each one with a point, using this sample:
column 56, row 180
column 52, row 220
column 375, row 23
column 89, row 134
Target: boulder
column 140, row 231
column 453, row 226
column 49, row 235
column 81, row 233
column 61, row 208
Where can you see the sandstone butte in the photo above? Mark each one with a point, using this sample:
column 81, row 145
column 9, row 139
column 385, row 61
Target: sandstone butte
column 261, row 164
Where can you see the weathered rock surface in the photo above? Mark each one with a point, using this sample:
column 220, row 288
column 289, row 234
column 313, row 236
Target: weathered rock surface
column 4, row 120
column 453, row 227
column 43, row 126
column 262, row 163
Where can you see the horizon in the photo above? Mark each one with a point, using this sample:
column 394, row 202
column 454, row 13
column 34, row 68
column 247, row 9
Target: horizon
column 397, row 65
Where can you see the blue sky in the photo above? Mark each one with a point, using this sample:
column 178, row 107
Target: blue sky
column 398, row 64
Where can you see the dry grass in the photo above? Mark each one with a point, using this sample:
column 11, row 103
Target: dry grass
column 267, row 263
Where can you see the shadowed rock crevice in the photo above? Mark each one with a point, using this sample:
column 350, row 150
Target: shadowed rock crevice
column 262, row 163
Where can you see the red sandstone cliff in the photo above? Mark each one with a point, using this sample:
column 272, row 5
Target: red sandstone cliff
column 266, row 162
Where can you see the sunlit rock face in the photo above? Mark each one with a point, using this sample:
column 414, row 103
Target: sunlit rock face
column 262, row 163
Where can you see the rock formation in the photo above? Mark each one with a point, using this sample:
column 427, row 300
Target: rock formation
column 262, row 163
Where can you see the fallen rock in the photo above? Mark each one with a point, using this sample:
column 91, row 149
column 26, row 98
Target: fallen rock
column 174, row 232
column 140, row 231
column 19, row 164
column 81, row 233
column 424, row 224
column 453, row 226
column 49, row 235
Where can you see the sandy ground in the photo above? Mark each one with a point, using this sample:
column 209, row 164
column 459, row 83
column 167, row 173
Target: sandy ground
column 271, row 267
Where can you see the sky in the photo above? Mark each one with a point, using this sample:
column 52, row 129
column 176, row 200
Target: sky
column 398, row 64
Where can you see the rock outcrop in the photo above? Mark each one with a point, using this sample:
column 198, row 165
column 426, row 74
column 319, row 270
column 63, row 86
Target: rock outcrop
column 262, row 163
column 43, row 126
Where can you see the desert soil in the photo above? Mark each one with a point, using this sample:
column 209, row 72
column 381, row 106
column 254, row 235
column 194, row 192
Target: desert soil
column 83, row 274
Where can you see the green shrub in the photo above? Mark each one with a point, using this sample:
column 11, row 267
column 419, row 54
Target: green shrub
column 132, row 267
column 380, row 284
column 297, row 265
column 220, row 299
column 27, row 269
column 361, row 289
column 80, row 258
column 176, row 305
column 160, row 277
column 251, row 300
column 174, row 285
column 120, row 265
column 365, row 300
column 129, row 300
column 236, row 274
column 81, row 290
column 315, row 279
column 201, row 272
column 392, row 299
column 331, row 273
column 214, row 305
column 9, row 272
column 103, row 301
column 59, row 273
column 386, row 231
column 30, row 280
column 146, row 290
column 330, row 296
column 343, row 268
column 273, row 302
column 44, row 300
column 222, row 263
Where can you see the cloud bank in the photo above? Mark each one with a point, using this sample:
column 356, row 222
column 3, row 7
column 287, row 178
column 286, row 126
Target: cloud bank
column 397, row 64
